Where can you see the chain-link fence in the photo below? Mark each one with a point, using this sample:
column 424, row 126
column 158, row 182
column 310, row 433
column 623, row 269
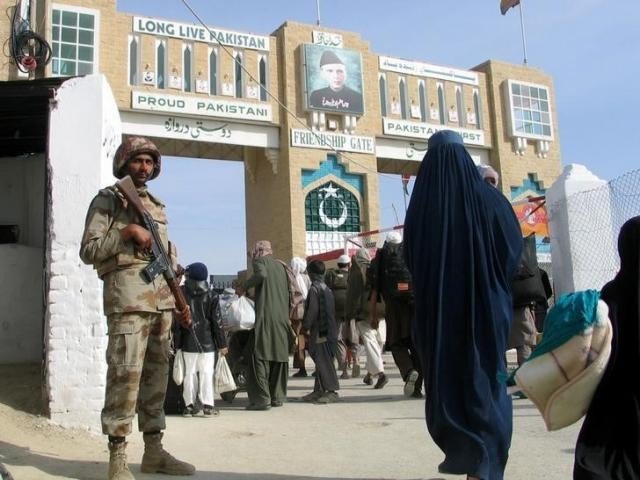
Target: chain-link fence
column 594, row 219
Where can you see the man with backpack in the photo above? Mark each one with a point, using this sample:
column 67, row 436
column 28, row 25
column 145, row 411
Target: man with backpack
column 336, row 280
column 393, row 281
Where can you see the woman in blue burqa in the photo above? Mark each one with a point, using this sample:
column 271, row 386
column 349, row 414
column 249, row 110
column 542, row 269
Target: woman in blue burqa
column 462, row 245
column 608, row 446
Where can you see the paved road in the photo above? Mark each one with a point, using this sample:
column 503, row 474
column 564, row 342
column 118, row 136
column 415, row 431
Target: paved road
column 369, row 435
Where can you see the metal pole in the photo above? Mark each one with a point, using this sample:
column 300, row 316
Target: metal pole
column 318, row 10
column 524, row 40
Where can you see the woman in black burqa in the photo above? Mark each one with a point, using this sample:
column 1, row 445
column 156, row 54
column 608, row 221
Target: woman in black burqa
column 463, row 243
column 608, row 445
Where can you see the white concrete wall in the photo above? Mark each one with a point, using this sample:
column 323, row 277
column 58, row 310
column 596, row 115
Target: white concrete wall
column 85, row 131
column 21, row 297
column 583, row 248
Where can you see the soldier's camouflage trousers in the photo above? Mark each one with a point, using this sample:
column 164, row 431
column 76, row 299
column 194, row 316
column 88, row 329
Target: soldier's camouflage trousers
column 137, row 371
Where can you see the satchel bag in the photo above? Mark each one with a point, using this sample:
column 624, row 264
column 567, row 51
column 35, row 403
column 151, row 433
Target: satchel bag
column 178, row 368
column 224, row 377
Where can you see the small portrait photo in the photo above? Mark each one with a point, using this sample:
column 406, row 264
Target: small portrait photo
column 333, row 79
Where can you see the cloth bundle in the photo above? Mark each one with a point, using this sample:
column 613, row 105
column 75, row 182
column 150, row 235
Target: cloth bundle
column 564, row 370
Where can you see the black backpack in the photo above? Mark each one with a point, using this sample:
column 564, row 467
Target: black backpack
column 336, row 280
column 396, row 278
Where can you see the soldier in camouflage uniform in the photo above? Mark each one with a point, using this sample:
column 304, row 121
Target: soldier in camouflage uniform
column 139, row 314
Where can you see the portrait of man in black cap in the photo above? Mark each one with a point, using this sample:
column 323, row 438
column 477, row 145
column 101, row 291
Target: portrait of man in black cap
column 336, row 96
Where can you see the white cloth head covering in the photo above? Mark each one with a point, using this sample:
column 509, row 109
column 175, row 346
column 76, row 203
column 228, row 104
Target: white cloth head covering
column 487, row 171
column 394, row 237
column 298, row 266
column 344, row 259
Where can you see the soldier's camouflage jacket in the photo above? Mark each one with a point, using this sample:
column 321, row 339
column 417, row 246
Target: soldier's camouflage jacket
column 119, row 263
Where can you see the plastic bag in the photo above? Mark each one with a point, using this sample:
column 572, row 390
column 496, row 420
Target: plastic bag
column 224, row 377
column 178, row 368
column 238, row 314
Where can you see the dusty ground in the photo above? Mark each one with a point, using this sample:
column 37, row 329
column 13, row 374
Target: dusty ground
column 29, row 439
column 369, row 435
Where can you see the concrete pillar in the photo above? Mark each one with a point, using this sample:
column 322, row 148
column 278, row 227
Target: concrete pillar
column 583, row 252
column 85, row 131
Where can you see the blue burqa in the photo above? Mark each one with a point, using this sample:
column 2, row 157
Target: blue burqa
column 462, row 244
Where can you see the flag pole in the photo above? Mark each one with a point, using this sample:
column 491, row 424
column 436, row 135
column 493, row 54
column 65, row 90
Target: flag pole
column 318, row 10
column 524, row 39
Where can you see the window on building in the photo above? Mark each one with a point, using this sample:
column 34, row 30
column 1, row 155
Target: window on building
column 402, row 90
column 262, row 68
column 460, row 106
column 477, row 109
column 161, row 63
column 213, row 72
column 187, row 68
column 441, row 104
column 134, row 60
column 238, row 75
column 530, row 110
column 422, row 93
column 382, row 85
column 331, row 208
column 73, row 41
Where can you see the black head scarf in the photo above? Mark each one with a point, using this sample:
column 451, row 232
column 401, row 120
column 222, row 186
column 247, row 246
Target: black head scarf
column 462, row 244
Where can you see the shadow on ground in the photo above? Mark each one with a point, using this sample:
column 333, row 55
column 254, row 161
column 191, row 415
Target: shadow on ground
column 22, row 387
column 13, row 456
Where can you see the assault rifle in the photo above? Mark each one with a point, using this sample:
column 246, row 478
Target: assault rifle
column 161, row 263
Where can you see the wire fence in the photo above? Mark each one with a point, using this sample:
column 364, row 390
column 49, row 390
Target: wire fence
column 594, row 219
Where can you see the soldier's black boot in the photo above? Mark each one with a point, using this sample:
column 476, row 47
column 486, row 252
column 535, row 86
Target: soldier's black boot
column 157, row 460
column 118, row 468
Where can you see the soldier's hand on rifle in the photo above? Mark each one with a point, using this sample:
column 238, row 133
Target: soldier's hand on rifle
column 223, row 351
column 184, row 316
column 240, row 291
column 140, row 235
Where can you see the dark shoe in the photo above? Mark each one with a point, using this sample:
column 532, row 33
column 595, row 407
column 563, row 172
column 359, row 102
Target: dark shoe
column 367, row 380
column 300, row 373
column 189, row 411
column 311, row 397
column 253, row 406
column 382, row 381
column 344, row 375
column 276, row 403
column 157, row 460
column 410, row 384
column 416, row 394
column 210, row 411
column 327, row 397
column 520, row 395
column 314, row 374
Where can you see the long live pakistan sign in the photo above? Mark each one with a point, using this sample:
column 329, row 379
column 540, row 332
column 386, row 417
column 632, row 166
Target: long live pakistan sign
column 163, row 28
column 159, row 102
column 332, row 141
column 422, row 131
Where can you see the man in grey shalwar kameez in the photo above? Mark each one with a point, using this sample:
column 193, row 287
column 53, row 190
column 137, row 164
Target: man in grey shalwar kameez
column 269, row 361
column 320, row 321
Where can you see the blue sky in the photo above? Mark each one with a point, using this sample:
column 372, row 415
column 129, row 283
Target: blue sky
column 591, row 48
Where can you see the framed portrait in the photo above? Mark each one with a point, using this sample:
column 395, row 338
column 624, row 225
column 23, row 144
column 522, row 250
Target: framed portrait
column 333, row 79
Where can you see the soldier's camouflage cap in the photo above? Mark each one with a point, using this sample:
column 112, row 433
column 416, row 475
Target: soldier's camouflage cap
column 129, row 148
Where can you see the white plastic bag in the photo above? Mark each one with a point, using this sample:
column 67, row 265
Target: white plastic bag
column 239, row 314
column 223, row 377
column 178, row 368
